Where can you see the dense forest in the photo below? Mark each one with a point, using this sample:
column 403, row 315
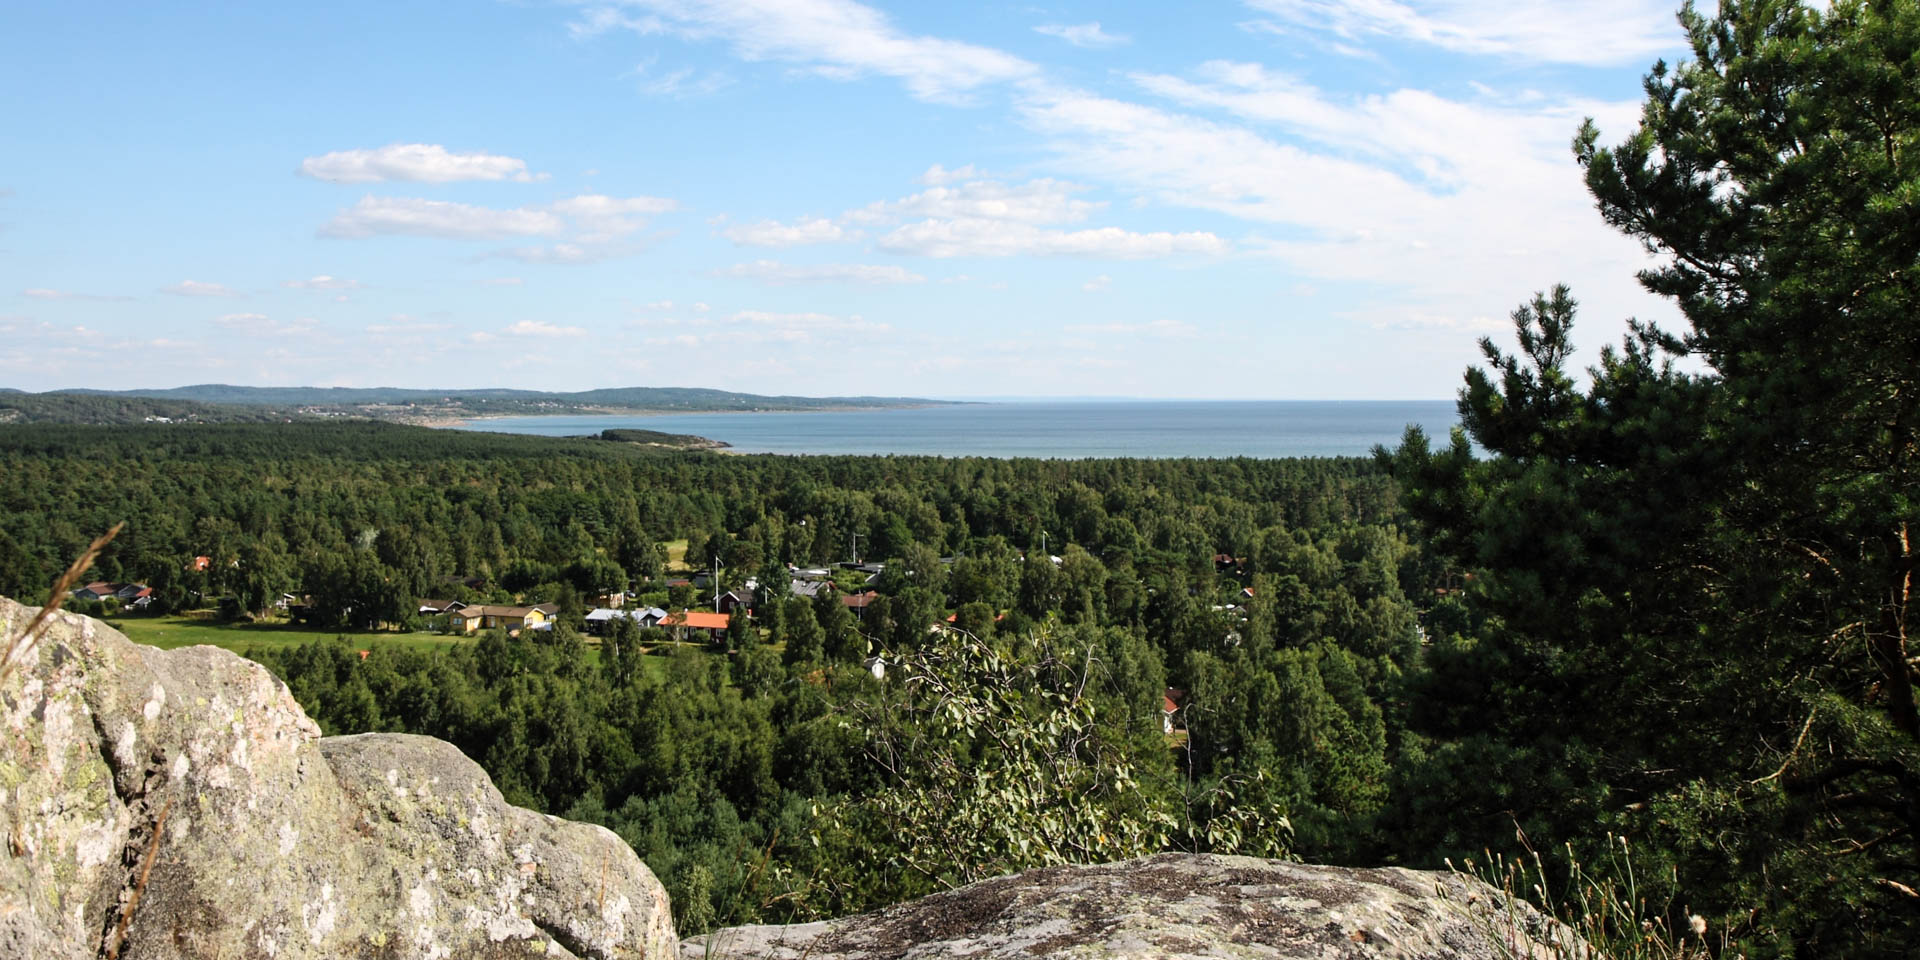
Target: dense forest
column 1290, row 698
column 1648, row 617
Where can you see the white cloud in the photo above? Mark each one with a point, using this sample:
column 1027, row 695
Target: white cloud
column 798, row 327
column 939, row 176
column 559, row 253
column 1417, row 320
column 590, row 205
column 1002, row 238
column 772, row 233
column 1087, row 35
column 44, row 293
column 1098, row 284
column 775, row 272
column 416, row 162
column 1036, row 201
column 1586, row 32
column 404, row 326
column 323, row 282
column 683, row 83
column 536, row 328
column 260, row 325
column 838, row 39
column 411, row 216
column 195, row 288
column 1423, row 199
column 659, row 305
column 601, row 218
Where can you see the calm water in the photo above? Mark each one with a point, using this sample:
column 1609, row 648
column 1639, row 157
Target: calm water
column 1146, row 428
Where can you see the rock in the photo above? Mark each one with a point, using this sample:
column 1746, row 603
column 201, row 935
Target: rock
column 1174, row 906
column 187, row 792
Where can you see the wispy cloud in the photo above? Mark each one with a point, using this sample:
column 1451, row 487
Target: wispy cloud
column 1099, row 284
column 1036, row 201
column 988, row 218
column 1086, row 35
column 1003, row 238
column 775, row 272
column 414, row 162
column 595, row 220
column 536, row 328
column 838, row 39
column 412, row 216
column 196, row 288
column 773, row 233
column 261, row 325
column 323, row 282
column 1585, row 32
column 45, row 293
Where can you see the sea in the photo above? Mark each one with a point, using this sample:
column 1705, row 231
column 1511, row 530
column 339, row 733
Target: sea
column 1056, row 429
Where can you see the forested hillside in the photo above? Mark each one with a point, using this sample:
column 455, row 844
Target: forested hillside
column 715, row 765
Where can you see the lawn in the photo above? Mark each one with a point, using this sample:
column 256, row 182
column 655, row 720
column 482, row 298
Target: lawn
column 676, row 555
column 186, row 630
column 189, row 629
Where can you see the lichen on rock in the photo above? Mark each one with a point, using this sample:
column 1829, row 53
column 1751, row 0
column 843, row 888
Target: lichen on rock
column 276, row 843
column 1175, row 906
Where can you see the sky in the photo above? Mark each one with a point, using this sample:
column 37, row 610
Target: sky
column 1287, row 199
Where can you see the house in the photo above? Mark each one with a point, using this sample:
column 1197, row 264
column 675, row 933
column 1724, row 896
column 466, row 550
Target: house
column 808, row 589
column 431, row 607
column 97, row 590
column 601, row 620
column 857, row 602
column 200, row 564
column 877, row 666
column 809, row 573
column 740, row 600
column 133, row 596
column 485, row 616
column 614, row 599
column 1170, row 703
column 696, row 625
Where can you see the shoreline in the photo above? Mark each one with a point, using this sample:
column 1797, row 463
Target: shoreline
column 455, row 422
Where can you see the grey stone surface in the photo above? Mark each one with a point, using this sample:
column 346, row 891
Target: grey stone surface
column 272, row 841
column 1173, row 906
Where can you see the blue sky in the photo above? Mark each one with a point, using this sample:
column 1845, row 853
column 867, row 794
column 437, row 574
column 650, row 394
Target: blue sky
column 1259, row 199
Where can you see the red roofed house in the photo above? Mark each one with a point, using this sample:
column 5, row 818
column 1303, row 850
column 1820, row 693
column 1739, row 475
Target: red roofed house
column 1169, row 706
column 695, row 622
column 857, row 602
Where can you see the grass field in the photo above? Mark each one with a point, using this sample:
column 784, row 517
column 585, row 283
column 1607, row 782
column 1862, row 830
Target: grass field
column 186, row 630
column 676, row 554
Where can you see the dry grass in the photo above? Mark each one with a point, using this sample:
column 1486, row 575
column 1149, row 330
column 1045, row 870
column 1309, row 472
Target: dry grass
column 1602, row 904
column 20, row 645
column 140, row 883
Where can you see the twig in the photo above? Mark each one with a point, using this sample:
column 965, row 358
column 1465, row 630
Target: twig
column 1797, row 741
column 140, row 884
column 18, row 646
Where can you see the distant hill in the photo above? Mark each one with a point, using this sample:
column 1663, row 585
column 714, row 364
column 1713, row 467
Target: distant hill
column 19, row 407
column 218, row 403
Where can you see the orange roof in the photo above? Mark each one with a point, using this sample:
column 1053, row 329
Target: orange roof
column 699, row 619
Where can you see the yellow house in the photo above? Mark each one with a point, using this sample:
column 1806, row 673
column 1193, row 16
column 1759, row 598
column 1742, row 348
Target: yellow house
column 487, row 616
